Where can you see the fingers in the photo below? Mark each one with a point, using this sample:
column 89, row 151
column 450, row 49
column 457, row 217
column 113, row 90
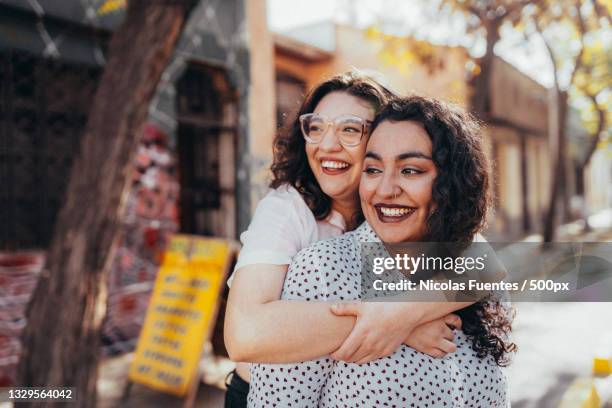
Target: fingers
column 436, row 353
column 447, row 333
column 453, row 321
column 447, row 346
column 349, row 347
column 376, row 355
column 346, row 309
column 363, row 352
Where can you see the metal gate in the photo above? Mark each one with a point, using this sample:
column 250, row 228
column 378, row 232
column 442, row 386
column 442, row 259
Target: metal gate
column 43, row 109
column 206, row 107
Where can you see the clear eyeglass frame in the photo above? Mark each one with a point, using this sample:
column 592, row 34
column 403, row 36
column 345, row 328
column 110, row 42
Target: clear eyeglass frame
column 350, row 129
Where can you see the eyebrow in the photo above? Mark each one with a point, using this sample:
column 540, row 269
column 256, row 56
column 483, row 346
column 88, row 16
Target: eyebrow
column 399, row 157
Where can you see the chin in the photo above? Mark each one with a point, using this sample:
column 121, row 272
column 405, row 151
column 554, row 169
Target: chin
column 337, row 191
column 398, row 236
column 392, row 239
column 332, row 191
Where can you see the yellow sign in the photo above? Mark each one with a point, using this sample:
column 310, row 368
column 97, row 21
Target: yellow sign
column 181, row 313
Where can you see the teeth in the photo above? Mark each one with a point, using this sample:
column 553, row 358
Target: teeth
column 333, row 164
column 395, row 212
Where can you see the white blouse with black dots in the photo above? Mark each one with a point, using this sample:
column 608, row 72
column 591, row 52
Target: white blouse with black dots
column 330, row 270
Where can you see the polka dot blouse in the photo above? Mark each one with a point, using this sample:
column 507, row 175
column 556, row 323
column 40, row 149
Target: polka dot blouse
column 330, row 270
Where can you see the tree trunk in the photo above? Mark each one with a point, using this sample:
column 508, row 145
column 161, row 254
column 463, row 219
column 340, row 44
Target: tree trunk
column 61, row 340
column 581, row 166
column 581, row 191
column 480, row 100
column 557, row 138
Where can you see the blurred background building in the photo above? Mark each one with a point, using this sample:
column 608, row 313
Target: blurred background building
column 204, row 155
column 516, row 135
column 193, row 170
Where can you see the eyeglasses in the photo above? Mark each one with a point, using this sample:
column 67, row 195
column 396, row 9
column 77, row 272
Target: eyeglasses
column 349, row 128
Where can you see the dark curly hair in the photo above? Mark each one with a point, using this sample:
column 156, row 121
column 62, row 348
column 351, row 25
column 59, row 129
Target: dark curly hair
column 460, row 192
column 290, row 164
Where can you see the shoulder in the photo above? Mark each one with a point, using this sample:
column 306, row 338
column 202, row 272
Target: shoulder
column 282, row 221
column 331, row 250
column 283, row 204
column 329, row 269
column 285, row 191
column 285, row 198
column 479, row 238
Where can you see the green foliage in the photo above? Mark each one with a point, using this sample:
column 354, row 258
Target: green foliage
column 576, row 32
column 592, row 89
column 404, row 53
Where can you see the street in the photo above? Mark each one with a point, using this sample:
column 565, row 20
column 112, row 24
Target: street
column 556, row 345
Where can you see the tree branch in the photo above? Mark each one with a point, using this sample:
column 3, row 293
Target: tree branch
column 476, row 12
column 582, row 29
column 519, row 5
column 549, row 49
column 602, row 11
column 601, row 125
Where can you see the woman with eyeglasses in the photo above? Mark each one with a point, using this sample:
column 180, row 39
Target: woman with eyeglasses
column 425, row 180
column 316, row 171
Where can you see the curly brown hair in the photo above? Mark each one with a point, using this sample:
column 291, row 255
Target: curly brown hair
column 461, row 194
column 290, row 164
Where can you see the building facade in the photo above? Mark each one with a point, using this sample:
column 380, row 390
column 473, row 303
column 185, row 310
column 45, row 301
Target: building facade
column 200, row 162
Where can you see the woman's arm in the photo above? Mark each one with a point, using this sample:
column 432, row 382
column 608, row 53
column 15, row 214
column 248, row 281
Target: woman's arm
column 261, row 328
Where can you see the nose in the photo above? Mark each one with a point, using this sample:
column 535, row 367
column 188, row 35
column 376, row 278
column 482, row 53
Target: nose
column 330, row 141
column 388, row 187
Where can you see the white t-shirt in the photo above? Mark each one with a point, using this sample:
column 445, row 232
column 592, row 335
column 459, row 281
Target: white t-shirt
column 282, row 226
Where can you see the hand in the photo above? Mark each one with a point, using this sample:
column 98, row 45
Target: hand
column 436, row 337
column 380, row 329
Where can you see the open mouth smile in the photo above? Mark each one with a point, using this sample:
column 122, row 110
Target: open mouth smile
column 393, row 212
column 333, row 167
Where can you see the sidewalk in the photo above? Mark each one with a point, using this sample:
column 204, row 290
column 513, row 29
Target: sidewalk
column 113, row 377
column 557, row 341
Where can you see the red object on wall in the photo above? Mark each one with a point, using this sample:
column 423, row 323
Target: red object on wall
column 18, row 276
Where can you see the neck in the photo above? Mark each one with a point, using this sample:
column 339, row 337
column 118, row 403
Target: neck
column 347, row 210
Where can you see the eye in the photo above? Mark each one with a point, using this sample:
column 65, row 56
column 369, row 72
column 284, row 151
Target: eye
column 371, row 170
column 351, row 129
column 409, row 171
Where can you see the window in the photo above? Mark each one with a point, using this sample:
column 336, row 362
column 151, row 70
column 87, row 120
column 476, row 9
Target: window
column 289, row 95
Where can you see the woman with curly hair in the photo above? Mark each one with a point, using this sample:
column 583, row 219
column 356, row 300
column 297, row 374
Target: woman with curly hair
column 425, row 179
column 316, row 171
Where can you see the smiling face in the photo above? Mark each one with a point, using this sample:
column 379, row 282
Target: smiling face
column 338, row 168
column 397, row 181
